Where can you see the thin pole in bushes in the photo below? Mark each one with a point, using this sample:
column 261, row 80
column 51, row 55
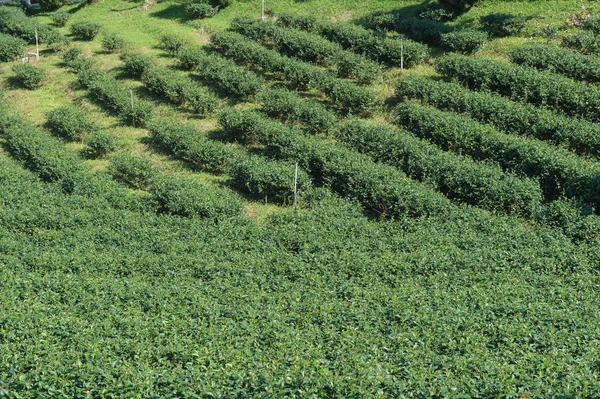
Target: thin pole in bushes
column 262, row 10
column 402, row 54
column 132, row 109
column 296, row 186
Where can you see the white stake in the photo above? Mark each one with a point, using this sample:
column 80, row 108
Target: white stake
column 402, row 54
column 296, row 186
column 262, row 10
column 132, row 110
column 37, row 48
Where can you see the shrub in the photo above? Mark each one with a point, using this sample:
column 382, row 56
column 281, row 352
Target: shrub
column 98, row 144
column 523, row 84
column 171, row 43
column 135, row 63
column 60, row 18
column 71, row 55
column 501, row 25
column 465, row 41
column 507, row 115
column 85, row 30
column 112, row 43
column 201, row 10
column 13, row 21
column 585, row 42
column 561, row 173
column 189, row 57
column 133, row 170
column 307, row 23
column 69, row 123
column 459, row 5
column 29, row 76
column 436, row 12
column 422, row 30
column 225, row 3
column 592, row 24
column 183, row 196
column 11, row 47
column 549, row 31
column 52, row 4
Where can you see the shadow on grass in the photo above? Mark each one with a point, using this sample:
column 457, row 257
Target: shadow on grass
column 176, row 12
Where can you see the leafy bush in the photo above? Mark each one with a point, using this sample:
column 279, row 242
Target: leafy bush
column 183, row 196
column 465, row 41
column 523, row 84
column 112, row 42
column 436, row 12
column 98, row 145
column 561, row 173
column 131, row 169
column 85, row 30
column 29, row 76
column 171, row 43
column 135, row 63
column 52, row 4
column 507, row 115
column 459, row 5
column 60, row 18
column 69, row 123
column 189, row 57
column 501, row 25
column 13, row 21
column 592, row 24
column 313, row 117
column 201, row 10
column 11, row 47
column 585, row 42
column 549, row 31
column 193, row 146
column 71, row 55
column 555, row 59
column 422, row 30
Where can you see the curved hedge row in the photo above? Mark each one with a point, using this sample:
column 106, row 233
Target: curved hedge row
column 313, row 117
column 381, row 188
column 254, row 175
column 560, row 172
column 13, row 21
column 458, row 177
column 360, row 40
column 558, row 60
column 69, row 123
column 511, row 117
column 422, row 30
column 346, row 95
column 308, row 47
column 224, row 74
column 523, row 84
column 585, row 42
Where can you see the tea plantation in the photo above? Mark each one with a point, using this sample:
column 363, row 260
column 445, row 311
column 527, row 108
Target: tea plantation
column 446, row 238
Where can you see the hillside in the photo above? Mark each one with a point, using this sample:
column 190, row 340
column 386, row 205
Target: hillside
column 445, row 242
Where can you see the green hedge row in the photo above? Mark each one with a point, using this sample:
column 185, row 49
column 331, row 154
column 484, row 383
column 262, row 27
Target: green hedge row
column 585, row 42
column 312, row 116
column 256, row 176
column 511, row 117
column 178, row 89
column 109, row 92
column 360, row 40
column 381, row 188
column 11, row 47
column 69, row 123
column 183, row 196
column 559, row 171
column 523, row 84
column 422, row 30
column 223, row 73
column 308, row 47
column 13, row 21
column 346, row 95
column 558, row 60
column 458, row 177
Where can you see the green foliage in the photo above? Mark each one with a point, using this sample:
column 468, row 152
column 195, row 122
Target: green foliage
column 29, row 76
column 193, row 146
column 458, row 177
column 585, row 42
column 549, row 31
column 13, row 21
column 523, row 84
column 383, row 189
column 71, row 56
column 558, row 60
column 502, row 25
column 85, row 30
column 201, row 10
column 171, row 43
column 272, row 181
column 112, row 43
column 459, row 6
column 591, row 24
column 313, row 116
column 464, row 41
column 11, row 47
column 344, row 94
column 436, row 12
column 98, row 144
column 69, row 123
column 511, row 117
column 60, row 18
column 133, row 170
column 560, row 172
column 135, row 63
column 182, row 196
column 52, row 4
column 422, row 30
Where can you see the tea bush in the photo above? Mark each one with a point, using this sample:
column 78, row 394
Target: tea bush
column 85, row 30
column 69, row 123
column 464, row 41
column 502, row 25
column 11, row 47
column 98, row 144
column 133, row 170
column 29, row 76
